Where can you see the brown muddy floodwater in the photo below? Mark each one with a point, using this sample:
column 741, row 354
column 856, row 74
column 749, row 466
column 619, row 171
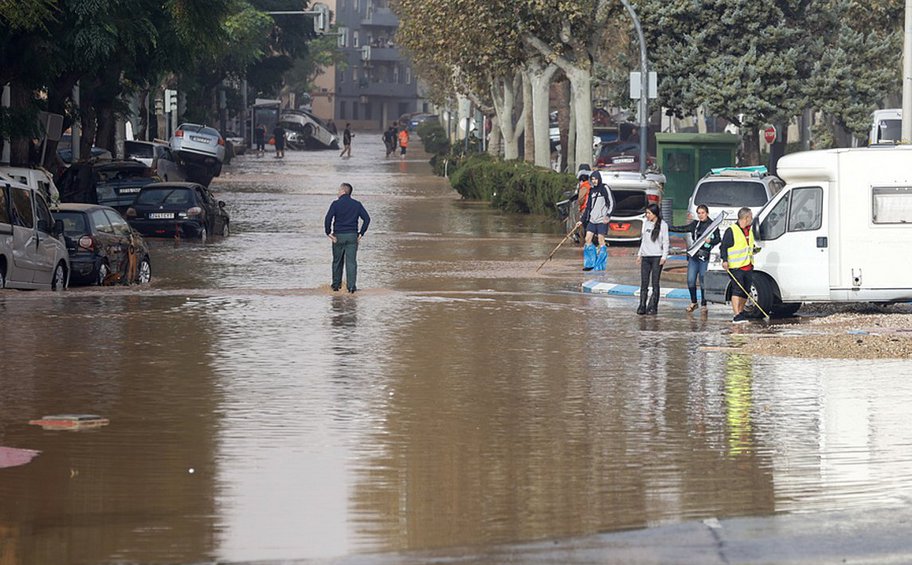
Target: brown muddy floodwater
column 458, row 400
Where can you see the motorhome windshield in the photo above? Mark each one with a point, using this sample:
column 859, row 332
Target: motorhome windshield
column 889, row 131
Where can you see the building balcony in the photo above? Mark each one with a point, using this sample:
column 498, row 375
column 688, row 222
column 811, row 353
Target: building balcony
column 380, row 17
column 380, row 54
column 387, row 89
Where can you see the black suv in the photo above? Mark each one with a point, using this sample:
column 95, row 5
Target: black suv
column 181, row 209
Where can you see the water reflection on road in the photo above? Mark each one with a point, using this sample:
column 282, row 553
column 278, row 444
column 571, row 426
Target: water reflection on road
column 458, row 400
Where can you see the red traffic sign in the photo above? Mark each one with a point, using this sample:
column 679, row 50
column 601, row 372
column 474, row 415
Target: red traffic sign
column 769, row 134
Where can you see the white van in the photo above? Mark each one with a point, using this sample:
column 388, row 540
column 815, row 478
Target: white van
column 35, row 177
column 33, row 254
column 886, row 126
column 838, row 232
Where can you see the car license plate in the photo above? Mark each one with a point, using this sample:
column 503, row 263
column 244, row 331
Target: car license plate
column 621, row 160
column 200, row 139
column 161, row 215
column 129, row 190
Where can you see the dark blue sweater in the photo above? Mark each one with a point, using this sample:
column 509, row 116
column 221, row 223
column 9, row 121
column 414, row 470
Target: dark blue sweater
column 343, row 216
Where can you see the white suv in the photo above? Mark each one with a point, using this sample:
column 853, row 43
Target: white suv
column 728, row 190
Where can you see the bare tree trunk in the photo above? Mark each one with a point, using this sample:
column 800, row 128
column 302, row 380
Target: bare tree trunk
column 504, row 94
column 581, row 96
column 564, row 120
column 20, row 146
column 777, row 149
column 541, row 77
column 751, row 143
column 495, row 138
column 529, row 133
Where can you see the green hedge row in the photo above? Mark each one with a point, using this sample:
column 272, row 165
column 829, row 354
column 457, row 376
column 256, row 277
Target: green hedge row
column 512, row 186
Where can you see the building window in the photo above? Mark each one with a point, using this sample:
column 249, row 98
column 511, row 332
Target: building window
column 355, row 110
column 355, row 39
column 343, row 110
column 396, row 74
column 408, row 75
column 343, row 37
column 354, row 74
column 368, row 115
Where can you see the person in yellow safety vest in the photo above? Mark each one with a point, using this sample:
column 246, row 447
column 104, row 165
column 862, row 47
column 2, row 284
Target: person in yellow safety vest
column 738, row 257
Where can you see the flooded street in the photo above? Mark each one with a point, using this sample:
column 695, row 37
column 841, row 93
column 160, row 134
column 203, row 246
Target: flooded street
column 458, row 399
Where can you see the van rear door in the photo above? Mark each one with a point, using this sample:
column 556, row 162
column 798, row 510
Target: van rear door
column 794, row 234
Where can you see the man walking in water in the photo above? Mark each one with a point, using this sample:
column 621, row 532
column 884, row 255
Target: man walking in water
column 347, row 141
column 341, row 226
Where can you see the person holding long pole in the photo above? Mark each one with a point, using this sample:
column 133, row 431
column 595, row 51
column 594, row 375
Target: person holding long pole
column 737, row 251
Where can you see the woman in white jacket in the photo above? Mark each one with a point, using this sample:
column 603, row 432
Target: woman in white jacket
column 651, row 258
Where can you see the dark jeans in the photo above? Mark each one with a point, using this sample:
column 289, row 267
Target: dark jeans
column 650, row 272
column 696, row 268
column 345, row 249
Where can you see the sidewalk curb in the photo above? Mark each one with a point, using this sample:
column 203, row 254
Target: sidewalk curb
column 614, row 289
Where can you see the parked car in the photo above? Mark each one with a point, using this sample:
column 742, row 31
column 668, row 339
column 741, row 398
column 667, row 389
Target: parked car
column 632, row 193
column 621, row 156
column 419, row 119
column 200, row 149
column 729, row 189
column 184, row 209
column 32, row 251
column 236, row 141
column 103, row 248
column 157, row 156
column 37, row 177
column 306, row 131
column 109, row 183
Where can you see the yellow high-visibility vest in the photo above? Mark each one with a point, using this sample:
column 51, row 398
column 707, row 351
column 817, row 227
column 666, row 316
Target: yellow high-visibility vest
column 741, row 253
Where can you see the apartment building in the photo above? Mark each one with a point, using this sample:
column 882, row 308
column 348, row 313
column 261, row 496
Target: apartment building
column 376, row 85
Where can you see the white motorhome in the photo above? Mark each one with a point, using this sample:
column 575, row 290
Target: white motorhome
column 838, row 232
column 886, row 126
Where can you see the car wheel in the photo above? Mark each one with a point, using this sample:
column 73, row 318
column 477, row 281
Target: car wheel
column 763, row 293
column 225, row 230
column 144, row 272
column 103, row 273
column 58, row 282
column 204, row 235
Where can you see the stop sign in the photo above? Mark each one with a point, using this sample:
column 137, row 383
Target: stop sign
column 769, row 134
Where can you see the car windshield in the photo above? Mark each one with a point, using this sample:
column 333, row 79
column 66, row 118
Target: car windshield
column 610, row 149
column 74, row 223
column 731, row 194
column 138, row 150
column 889, row 130
column 166, row 195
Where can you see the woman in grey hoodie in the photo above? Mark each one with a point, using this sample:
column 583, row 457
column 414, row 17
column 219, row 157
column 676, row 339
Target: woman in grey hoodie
column 651, row 257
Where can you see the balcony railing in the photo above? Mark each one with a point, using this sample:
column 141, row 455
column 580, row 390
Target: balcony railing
column 379, row 54
column 380, row 17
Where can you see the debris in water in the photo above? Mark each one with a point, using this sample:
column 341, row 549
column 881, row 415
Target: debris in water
column 13, row 457
column 70, row 422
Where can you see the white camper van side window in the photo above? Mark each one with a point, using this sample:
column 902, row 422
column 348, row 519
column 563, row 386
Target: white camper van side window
column 806, row 212
column 774, row 224
column 892, row 205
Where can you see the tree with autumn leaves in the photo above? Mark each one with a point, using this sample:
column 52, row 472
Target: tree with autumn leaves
column 752, row 62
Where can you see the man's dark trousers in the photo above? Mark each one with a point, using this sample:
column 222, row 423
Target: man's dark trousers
column 345, row 249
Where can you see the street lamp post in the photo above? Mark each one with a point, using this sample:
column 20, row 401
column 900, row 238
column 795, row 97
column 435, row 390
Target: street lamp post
column 907, row 76
column 644, row 86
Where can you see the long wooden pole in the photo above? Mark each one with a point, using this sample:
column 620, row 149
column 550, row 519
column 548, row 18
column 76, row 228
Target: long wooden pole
column 566, row 237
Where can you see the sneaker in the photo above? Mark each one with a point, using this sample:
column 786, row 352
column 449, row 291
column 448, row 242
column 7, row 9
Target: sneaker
column 692, row 307
column 740, row 319
column 587, row 268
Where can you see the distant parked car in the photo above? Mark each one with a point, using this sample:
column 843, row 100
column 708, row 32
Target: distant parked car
column 185, row 209
column 109, row 183
column 32, row 252
column 201, row 149
column 419, row 119
column 157, row 156
column 729, row 189
column 236, row 141
column 621, row 156
column 103, row 248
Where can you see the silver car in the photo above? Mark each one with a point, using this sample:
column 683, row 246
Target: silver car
column 198, row 146
column 33, row 254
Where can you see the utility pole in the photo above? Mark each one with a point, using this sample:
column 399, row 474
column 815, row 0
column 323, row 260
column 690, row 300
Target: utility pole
column 644, row 86
column 907, row 77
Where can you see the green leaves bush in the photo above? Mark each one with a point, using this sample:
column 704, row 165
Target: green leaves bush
column 512, row 186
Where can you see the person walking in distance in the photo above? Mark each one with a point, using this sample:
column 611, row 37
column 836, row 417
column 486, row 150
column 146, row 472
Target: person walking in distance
column 389, row 140
column 259, row 135
column 599, row 205
column 341, row 225
column 737, row 251
column 403, row 142
column 278, row 133
column 651, row 258
column 347, row 136
column 699, row 261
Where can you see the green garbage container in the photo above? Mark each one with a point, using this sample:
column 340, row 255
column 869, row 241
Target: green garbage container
column 685, row 158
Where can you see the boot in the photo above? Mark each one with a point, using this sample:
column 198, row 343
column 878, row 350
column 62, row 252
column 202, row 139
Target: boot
column 653, row 307
column 642, row 307
column 601, row 258
column 588, row 257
